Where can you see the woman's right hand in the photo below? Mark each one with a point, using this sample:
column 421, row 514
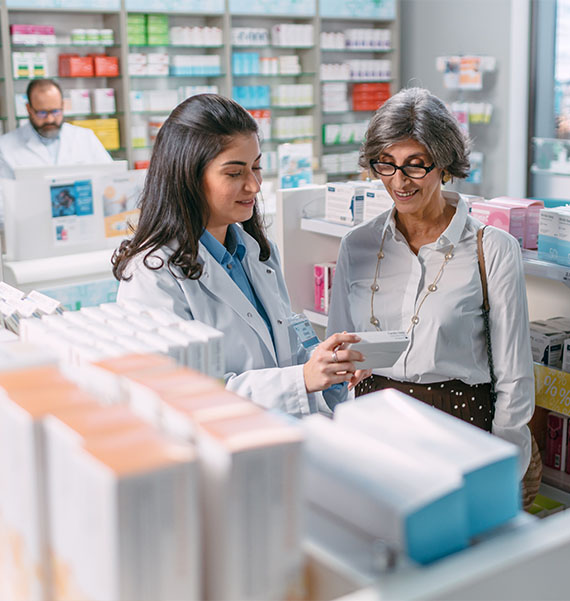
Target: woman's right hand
column 331, row 362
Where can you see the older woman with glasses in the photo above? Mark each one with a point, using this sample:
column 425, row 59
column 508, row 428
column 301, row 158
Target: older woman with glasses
column 416, row 268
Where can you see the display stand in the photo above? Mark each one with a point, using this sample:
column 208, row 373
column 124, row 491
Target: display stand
column 525, row 560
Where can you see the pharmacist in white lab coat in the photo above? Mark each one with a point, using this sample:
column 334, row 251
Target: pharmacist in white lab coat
column 201, row 251
column 46, row 139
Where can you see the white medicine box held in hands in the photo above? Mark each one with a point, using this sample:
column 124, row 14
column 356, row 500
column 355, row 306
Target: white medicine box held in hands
column 380, row 349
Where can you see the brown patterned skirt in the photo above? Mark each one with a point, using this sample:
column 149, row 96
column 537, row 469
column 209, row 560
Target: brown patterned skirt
column 469, row 403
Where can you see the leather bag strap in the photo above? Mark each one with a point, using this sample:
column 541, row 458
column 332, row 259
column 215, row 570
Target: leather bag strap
column 486, row 309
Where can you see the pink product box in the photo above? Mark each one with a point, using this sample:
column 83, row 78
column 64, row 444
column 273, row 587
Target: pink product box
column 532, row 217
column 509, row 219
column 556, row 434
column 324, row 274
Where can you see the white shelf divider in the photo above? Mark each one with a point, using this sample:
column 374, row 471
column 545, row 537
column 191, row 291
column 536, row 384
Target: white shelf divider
column 545, row 269
column 322, row 226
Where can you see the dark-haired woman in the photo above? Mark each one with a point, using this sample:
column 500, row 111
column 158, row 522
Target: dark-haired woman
column 201, row 251
column 415, row 268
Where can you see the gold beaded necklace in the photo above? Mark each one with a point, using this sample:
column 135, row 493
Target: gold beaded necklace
column 415, row 319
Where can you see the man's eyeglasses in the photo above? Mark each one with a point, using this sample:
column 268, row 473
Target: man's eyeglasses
column 412, row 171
column 44, row 114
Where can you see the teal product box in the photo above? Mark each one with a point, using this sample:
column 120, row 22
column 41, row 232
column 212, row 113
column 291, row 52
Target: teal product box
column 413, row 506
column 485, row 462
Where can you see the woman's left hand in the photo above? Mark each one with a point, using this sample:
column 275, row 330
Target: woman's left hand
column 358, row 376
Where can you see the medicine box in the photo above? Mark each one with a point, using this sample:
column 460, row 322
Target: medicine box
column 103, row 100
column 414, row 505
column 532, row 216
column 324, row 274
column 486, row 462
column 548, row 235
column 252, row 512
column 344, row 203
column 376, row 201
column 507, row 218
column 556, row 440
column 380, row 349
column 566, row 356
column 546, row 343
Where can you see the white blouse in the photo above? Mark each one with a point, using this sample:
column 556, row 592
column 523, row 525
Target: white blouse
column 448, row 341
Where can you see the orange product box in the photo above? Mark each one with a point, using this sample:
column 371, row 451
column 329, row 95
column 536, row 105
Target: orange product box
column 148, row 391
column 106, row 378
column 23, row 546
column 71, row 65
column 105, row 66
column 37, row 377
column 120, row 490
column 181, row 415
column 142, row 164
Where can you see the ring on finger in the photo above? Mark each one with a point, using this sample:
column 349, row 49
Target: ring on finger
column 334, row 356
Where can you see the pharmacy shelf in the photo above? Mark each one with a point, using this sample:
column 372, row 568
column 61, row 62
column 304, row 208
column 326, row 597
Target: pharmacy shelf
column 176, row 76
column 322, row 226
column 342, row 145
column 82, row 46
column 316, row 317
column 170, row 46
column 374, row 50
column 71, row 116
column 68, row 77
column 545, row 269
column 556, row 478
column 290, row 138
column 303, row 74
column 374, row 80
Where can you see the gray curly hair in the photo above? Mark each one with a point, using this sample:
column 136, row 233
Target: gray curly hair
column 415, row 113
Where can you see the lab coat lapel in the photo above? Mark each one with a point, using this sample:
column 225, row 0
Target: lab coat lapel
column 217, row 281
column 267, row 290
column 35, row 146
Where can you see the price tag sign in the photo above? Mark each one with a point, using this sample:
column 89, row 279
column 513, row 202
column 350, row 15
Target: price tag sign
column 552, row 388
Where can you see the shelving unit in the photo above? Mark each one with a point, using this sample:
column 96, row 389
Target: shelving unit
column 213, row 13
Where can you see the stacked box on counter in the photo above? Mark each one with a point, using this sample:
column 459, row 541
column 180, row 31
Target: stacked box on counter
column 252, row 509
column 26, row 396
column 94, row 333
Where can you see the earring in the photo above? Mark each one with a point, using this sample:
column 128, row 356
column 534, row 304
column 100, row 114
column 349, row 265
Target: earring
column 445, row 177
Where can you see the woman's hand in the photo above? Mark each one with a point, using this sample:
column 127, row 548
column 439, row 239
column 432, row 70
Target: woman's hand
column 331, row 363
column 359, row 375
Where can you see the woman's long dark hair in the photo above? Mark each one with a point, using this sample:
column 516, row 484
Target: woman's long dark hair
column 172, row 202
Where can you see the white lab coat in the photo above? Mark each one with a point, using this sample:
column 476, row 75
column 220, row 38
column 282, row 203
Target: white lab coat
column 270, row 375
column 22, row 148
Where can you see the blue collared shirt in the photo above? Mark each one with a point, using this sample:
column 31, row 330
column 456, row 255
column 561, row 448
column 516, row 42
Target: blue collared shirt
column 230, row 258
